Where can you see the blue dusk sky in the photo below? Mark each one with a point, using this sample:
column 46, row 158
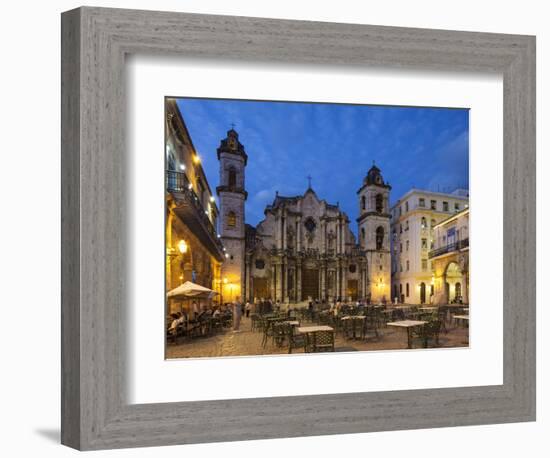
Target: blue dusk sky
column 336, row 144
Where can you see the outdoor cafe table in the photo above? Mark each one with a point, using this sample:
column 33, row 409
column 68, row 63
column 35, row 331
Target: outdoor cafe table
column 428, row 309
column 308, row 329
column 462, row 317
column 408, row 325
column 354, row 318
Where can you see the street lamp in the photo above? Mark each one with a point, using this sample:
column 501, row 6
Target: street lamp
column 182, row 246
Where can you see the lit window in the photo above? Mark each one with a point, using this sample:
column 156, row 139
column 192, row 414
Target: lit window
column 231, row 219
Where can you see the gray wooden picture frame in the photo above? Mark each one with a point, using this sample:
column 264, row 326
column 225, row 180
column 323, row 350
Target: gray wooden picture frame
column 95, row 411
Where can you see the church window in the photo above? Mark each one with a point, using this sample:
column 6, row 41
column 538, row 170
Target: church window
column 260, row 264
column 352, row 268
column 406, row 206
column 379, row 237
column 408, row 267
column 379, row 203
column 363, row 203
column 407, row 289
column 362, row 233
column 310, row 224
column 407, row 244
column 232, row 177
column 424, row 243
column 231, row 219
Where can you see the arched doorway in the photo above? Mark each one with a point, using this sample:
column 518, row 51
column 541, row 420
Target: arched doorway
column 422, row 293
column 453, row 282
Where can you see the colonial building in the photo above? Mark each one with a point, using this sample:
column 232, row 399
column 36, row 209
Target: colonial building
column 450, row 259
column 414, row 219
column 193, row 250
column 304, row 248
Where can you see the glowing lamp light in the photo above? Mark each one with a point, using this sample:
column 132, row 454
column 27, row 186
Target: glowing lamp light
column 212, row 199
column 226, row 255
column 182, row 246
column 182, row 166
column 196, row 159
column 225, row 281
column 189, row 186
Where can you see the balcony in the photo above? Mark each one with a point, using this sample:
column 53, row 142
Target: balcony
column 457, row 246
column 191, row 212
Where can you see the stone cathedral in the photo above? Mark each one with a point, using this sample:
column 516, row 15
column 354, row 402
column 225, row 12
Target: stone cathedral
column 304, row 248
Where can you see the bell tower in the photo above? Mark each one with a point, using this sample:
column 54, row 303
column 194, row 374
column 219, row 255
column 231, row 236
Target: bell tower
column 232, row 196
column 374, row 232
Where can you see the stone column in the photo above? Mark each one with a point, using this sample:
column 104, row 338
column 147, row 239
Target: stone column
column 284, row 230
column 279, row 285
column 337, row 239
column 299, row 234
column 323, row 281
column 322, row 229
column 337, row 294
column 284, row 281
column 274, row 281
column 299, row 281
column 345, row 281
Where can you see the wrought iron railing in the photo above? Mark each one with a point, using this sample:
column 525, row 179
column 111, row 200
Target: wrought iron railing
column 457, row 246
column 177, row 182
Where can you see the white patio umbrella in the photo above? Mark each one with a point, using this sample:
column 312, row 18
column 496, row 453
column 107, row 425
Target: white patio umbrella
column 190, row 290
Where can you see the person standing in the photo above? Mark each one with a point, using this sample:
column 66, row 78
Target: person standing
column 237, row 313
column 247, row 309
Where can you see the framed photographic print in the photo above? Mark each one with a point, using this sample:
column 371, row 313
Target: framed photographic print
column 287, row 228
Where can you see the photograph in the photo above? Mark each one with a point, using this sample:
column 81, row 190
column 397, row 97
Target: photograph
column 307, row 227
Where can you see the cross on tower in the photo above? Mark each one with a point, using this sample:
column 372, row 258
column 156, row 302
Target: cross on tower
column 309, row 181
column 233, row 125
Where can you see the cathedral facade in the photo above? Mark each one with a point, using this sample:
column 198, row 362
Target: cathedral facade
column 304, row 248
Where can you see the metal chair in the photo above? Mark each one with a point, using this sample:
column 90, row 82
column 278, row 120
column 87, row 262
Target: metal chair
column 323, row 341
